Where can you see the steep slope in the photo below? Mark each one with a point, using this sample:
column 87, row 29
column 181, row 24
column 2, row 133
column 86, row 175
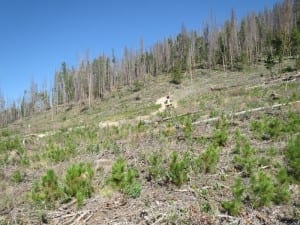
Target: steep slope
column 177, row 170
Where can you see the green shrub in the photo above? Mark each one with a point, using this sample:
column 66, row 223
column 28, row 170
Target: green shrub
column 238, row 190
column 133, row 189
column 222, row 123
column 206, row 207
column 56, row 153
column 197, row 164
column 240, row 142
column 78, row 181
column 281, row 192
column 245, row 159
column 178, row 169
column 187, row 127
column 47, row 191
column 155, row 169
column 141, row 126
column 293, row 123
column 124, row 179
column 261, row 189
column 176, row 75
column 292, row 156
column 93, row 148
column 234, row 206
column 11, row 143
column 297, row 63
column 288, row 69
column 272, row 127
column 270, row 63
column 80, row 198
column 69, row 145
column 220, row 137
column 78, row 184
column 210, row 159
column 111, row 145
column 267, row 127
column 137, row 86
column 5, row 133
column 17, row 177
column 207, row 161
column 272, row 151
column 82, row 133
column 118, row 173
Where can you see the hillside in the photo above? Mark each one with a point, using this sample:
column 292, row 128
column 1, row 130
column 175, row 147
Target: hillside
column 124, row 161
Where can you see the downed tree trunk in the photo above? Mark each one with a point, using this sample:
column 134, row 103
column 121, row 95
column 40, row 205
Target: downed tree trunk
column 181, row 115
column 229, row 115
column 271, row 82
column 216, row 88
column 244, row 112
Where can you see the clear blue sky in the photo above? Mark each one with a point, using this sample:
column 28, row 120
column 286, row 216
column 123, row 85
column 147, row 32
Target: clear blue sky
column 36, row 36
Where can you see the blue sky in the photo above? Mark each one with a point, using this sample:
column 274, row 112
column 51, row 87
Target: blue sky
column 36, row 36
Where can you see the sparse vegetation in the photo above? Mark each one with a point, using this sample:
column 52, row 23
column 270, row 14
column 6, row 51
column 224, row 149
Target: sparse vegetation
column 169, row 155
column 99, row 139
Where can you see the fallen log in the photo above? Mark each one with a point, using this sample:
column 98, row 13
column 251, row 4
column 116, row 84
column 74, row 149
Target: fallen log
column 245, row 112
column 271, row 82
column 230, row 115
column 226, row 87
